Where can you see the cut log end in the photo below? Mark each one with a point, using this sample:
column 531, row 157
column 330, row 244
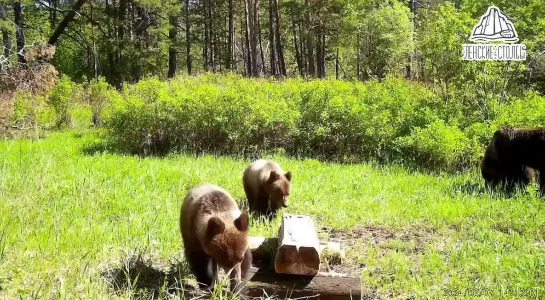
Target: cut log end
column 298, row 246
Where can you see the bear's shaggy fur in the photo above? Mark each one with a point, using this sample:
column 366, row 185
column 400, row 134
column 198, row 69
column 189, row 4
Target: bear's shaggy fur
column 512, row 156
column 215, row 232
column 267, row 187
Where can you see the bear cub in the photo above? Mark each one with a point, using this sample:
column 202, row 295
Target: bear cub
column 215, row 233
column 267, row 187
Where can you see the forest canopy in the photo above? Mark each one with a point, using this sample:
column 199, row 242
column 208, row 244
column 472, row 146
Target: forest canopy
column 126, row 40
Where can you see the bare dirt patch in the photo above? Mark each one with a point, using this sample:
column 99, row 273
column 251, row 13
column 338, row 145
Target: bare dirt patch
column 359, row 241
column 380, row 236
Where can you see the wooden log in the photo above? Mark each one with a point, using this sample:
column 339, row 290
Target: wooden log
column 264, row 249
column 298, row 246
column 287, row 286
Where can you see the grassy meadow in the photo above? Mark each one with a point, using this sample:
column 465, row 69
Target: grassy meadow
column 77, row 221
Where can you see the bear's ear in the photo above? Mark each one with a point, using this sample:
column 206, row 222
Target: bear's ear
column 288, row 176
column 215, row 226
column 273, row 177
column 242, row 222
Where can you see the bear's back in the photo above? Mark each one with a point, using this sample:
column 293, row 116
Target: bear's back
column 260, row 170
column 203, row 202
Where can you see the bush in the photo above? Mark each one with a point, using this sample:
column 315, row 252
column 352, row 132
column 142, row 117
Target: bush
column 362, row 120
column 99, row 94
column 392, row 120
column 23, row 90
column 437, row 144
column 236, row 116
column 62, row 99
column 26, row 110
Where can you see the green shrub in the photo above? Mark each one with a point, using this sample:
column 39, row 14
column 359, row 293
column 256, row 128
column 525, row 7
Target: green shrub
column 391, row 120
column 236, row 116
column 362, row 120
column 437, row 146
column 27, row 109
column 62, row 98
column 100, row 94
column 526, row 112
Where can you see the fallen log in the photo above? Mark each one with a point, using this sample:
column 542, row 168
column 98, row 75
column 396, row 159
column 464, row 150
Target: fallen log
column 264, row 283
column 264, row 249
column 290, row 265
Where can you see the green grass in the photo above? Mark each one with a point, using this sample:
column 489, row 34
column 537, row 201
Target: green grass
column 67, row 216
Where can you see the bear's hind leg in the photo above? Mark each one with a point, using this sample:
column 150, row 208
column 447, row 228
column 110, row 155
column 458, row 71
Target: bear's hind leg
column 272, row 210
column 541, row 182
column 250, row 195
column 262, row 202
column 515, row 177
column 203, row 267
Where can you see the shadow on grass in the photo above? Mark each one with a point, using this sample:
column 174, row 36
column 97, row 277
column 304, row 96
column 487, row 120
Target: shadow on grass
column 254, row 152
column 140, row 278
column 99, row 147
column 470, row 187
column 478, row 188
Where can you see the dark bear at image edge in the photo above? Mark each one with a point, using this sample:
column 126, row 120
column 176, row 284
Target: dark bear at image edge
column 512, row 156
column 215, row 233
column 267, row 187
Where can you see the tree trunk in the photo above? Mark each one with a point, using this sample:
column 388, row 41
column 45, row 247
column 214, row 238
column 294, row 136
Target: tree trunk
column 358, row 60
column 95, row 54
column 272, row 48
column 337, row 64
column 19, row 32
column 53, row 12
column 310, row 42
column 140, row 27
column 304, row 61
column 121, row 17
column 243, row 45
column 323, row 53
column 205, row 49
column 262, row 55
column 279, row 49
column 6, row 41
column 319, row 53
column 172, row 36
column 254, row 13
column 409, row 71
column 231, row 39
column 296, row 47
column 64, row 23
column 212, row 38
column 249, row 58
column 188, row 37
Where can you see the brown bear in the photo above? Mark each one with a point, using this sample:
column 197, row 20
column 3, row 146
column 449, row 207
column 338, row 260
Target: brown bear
column 512, row 156
column 267, row 187
column 215, row 232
